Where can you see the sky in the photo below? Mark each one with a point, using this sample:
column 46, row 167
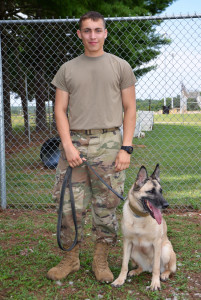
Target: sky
column 184, row 7
column 180, row 62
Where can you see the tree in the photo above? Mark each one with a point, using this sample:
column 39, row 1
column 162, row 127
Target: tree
column 31, row 52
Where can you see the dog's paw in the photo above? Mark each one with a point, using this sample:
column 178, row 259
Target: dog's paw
column 131, row 273
column 118, row 282
column 155, row 286
column 165, row 276
column 135, row 272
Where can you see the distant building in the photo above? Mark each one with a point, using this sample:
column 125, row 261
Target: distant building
column 185, row 95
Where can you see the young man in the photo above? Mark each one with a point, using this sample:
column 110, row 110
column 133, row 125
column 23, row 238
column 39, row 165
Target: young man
column 96, row 88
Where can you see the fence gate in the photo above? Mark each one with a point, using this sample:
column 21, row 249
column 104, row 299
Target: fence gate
column 165, row 54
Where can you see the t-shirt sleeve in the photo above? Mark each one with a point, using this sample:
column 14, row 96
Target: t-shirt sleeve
column 59, row 80
column 127, row 77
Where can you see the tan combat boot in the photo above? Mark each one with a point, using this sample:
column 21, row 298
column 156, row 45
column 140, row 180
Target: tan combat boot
column 100, row 265
column 69, row 264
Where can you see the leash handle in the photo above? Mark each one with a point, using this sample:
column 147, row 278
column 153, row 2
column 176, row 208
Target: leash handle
column 67, row 181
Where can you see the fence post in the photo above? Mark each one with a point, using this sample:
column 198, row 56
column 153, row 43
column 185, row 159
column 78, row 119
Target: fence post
column 2, row 138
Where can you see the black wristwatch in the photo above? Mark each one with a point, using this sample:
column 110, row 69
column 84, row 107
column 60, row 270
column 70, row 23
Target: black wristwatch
column 128, row 149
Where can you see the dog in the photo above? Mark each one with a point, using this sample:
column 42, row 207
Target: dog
column 144, row 230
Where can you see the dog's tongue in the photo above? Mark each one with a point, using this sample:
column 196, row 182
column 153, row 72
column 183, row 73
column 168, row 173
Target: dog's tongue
column 156, row 213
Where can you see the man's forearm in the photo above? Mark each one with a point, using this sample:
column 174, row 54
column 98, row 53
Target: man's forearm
column 129, row 104
column 128, row 126
column 63, row 129
column 72, row 154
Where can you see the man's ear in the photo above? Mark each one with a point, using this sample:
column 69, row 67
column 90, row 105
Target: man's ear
column 79, row 34
column 105, row 33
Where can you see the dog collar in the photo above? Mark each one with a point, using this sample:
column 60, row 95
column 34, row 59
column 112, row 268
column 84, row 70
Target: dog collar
column 138, row 213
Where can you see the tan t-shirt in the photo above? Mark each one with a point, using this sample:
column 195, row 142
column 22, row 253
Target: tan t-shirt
column 94, row 85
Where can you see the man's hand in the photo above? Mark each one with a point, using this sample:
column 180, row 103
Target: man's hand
column 122, row 161
column 73, row 157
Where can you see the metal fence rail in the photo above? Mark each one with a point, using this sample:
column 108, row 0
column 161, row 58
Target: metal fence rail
column 165, row 54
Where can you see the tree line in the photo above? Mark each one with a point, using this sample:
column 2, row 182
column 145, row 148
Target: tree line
column 144, row 105
column 157, row 105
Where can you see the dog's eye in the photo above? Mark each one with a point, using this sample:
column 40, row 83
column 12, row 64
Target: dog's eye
column 152, row 191
column 161, row 191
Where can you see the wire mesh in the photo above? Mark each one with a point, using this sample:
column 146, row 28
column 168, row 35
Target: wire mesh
column 165, row 54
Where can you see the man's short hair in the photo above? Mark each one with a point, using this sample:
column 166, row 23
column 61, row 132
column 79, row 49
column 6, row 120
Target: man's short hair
column 93, row 15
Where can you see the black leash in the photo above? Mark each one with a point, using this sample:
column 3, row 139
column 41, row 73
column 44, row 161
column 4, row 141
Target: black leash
column 68, row 182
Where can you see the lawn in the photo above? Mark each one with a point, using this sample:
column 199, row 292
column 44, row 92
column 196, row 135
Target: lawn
column 189, row 119
column 28, row 249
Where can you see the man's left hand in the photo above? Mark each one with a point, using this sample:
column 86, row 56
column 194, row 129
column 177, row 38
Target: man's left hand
column 122, row 161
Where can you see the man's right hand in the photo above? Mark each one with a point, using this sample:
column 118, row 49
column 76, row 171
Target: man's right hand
column 73, row 157
column 61, row 106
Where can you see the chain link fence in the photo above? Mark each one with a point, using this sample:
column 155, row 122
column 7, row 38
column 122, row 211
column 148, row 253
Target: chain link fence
column 165, row 54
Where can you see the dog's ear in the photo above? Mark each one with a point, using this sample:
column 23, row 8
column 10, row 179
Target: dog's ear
column 141, row 178
column 156, row 173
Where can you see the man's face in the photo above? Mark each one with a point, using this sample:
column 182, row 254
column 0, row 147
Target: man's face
column 93, row 35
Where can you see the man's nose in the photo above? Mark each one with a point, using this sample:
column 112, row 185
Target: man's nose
column 93, row 34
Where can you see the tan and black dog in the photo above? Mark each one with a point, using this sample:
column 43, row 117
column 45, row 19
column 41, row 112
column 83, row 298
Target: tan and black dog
column 144, row 230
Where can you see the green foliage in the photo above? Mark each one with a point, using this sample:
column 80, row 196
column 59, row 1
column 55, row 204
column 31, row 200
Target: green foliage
column 156, row 105
column 146, row 47
column 192, row 105
column 146, row 105
column 63, row 8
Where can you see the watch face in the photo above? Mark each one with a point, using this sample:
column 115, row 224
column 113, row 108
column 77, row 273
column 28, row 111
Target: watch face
column 130, row 149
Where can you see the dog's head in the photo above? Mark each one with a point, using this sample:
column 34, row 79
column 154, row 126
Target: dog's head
column 148, row 193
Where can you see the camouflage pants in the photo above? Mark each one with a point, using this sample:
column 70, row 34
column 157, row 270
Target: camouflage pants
column 100, row 150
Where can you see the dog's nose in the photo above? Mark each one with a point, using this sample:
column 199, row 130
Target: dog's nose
column 165, row 204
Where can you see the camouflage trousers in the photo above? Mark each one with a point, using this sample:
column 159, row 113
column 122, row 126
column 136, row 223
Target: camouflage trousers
column 100, row 150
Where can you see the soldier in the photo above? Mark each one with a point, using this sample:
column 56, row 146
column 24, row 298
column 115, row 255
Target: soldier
column 96, row 88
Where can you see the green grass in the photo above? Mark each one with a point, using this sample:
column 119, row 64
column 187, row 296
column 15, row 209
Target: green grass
column 174, row 143
column 28, row 249
column 189, row 119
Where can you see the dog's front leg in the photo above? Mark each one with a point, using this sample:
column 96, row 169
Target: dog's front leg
column 127, row 246
column 155, row 282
